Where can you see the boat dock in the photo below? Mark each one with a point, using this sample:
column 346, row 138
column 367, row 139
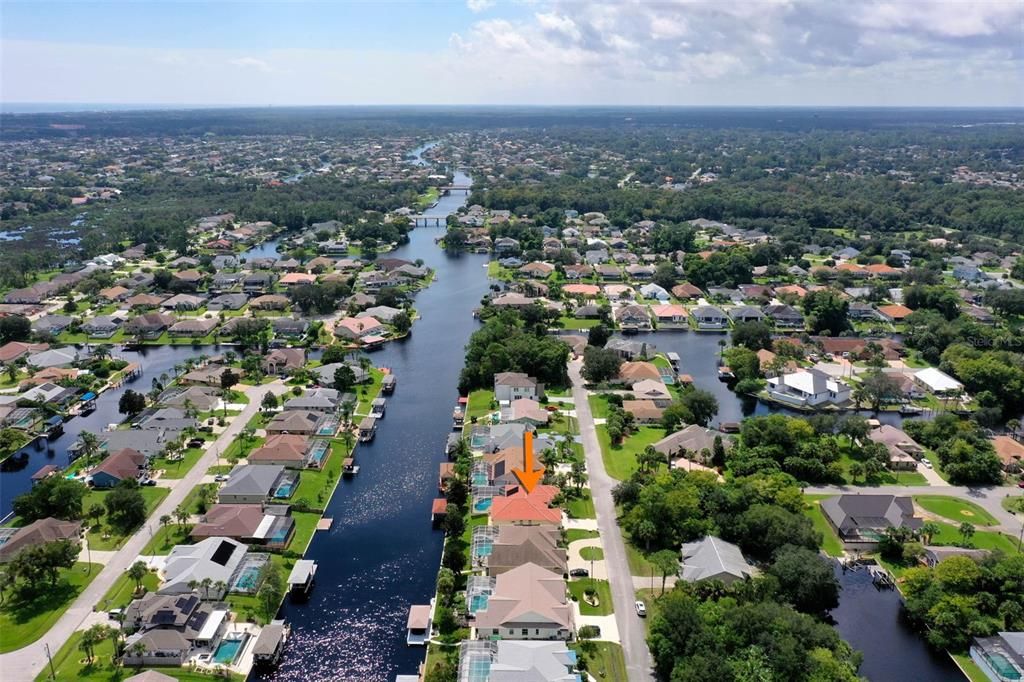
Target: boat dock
column 300, row 580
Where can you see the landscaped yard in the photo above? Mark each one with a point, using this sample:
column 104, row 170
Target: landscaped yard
column 24, row 621
column 598, row 405
column 604, row 596
column 479, row 404
column 104, row 537
column 69, row 662
column 581, row 507
column 830, row 542
column 166, row 537
column 315, row 486
column 575, row 534
column 955, row 509
column 620, row 460
column 638, row 563
column 178, row 469
column 120, row 593
column 592, row 554
column 950, row 535
column 604, row 660
column 970, row 668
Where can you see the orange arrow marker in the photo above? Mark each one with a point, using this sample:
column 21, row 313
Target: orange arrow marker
column 528, row 476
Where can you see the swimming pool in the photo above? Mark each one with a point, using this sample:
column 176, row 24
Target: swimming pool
column 284, row 490
column 317, row 453
column 999, row 663
column 481, row 506
column 229, row 648
column 484, row 550
column 478, row 602
column 247, row 580
column 479, row 478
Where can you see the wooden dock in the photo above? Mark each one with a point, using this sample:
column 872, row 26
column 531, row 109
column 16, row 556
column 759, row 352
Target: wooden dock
column 324, row 523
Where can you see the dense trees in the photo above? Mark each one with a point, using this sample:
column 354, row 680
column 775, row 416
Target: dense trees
column 14, row 328
column 826, row 312
column 126, row 507
column 39, row 566
column 752, row 335
column 964, row 451
column 600, row 364
column 721, row 268
column 53, row 496
column 131, row 403
column 778, row 442
column 504, row 344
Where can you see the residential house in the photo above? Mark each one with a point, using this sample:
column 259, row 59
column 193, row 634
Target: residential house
column 632, row 317
column 745, row 313
column 199, row 398
column 808, row 388
column 283, row 449
column 165, row 630
column 51, row 324
column 686, row 291
column 1010, row 452
column 785, row 316
column 149, row 325
column 655, row 391
column 643, row 411
column 522, row 508
column 630, row 350
column 937, row 382
column 302, row 422
column 102, row 327
column 525, row 411
column 270, row 302
column 528, row 602
column 13, row 350
column 512, row 661
column 1000, row 657
column 264, row 525
column 39, row 532
column 894, row 312
column 283, row 361
column 214, row 559
column 123, row 465
column 517, row 545
column 710, row 317
column 228, row 302
column 323, row 400
column 693, row 438
column 358, row 328
column 251, row 484
column 289, row 327
column 183, row 302
column 510, row 386
column 861, row 520
column 670, row 316
column 712, row 558
column 537, row 269
column 194, row 327
column 904, row 451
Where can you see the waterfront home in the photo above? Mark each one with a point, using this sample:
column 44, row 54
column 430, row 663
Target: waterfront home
column 512, row 661
column 500, row 463
column 524, row 508
column 164, row 418
column 904, row 451
column 13, row 350
column 509, row 386
column 51, row 324
column 325, row 373
column 712, row 558
column 257, row 282
column 633, row 371
column 537, row 269
column 289, row 327
column 39, row 532
column 653, row 291
column 123, row 465
column 284, row 449
column 210, row 375
column 710, row 317
column 528, row 602
column 383, row 313
column 632, row 317
column 304, row 422
column 283, row 361
column 228, row 302
column 166, row 630
column 264, row 525
column 323, row 400
column 194, row 327
column 525, row 411
column 514, row 546
column 861, row 520
column 102, row 327
column 1000, row 657
column 294, row 279
column 853, row 347
column 693, row 438
column 785, row 316
column 252, row 483
column 149, row 325
column 512, row 300
column 670, row 315
column 355, row 328
column 619, row 292
column 655, row 391
column 808, row 388
column 937, row 382
column 151, row 443
column 630, row 350
column 214, row 558
column 643, row 411
column 745, row 313
column 270, row 302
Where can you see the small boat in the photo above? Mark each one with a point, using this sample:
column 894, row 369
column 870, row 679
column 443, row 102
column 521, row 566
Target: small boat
column 349, row 467
column 725, row 374
column 387, row 385
column 367, row 429
column 377, row 408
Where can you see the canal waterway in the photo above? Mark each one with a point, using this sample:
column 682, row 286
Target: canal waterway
column 381, row 554
column 871, row 621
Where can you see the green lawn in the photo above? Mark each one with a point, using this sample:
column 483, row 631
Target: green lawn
column 950, row 535
column 575, row 534
column 604, row 595
column 368, row 392
column 191, row 501
column 104, row 537
column 830, row 542
column 23, row 621
column 638, row 563
column 315, row 487
column 970, row 668
column 1014, row 505
column 592, row 554
column 305, row 527
column 479, row 404
column 567, row 322
column 955, row 509
column 604, row 660
column 166, row 537
column 620, row 460
column 581, row 507
column 120, row 593
column 69, row 662
column 241, row 447
column 178, row 469
column 598, row 405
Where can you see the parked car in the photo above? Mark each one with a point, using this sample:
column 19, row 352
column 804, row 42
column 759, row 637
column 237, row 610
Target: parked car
column 641, row 609
column 579, row 573
column 220, row 478
column 196, row 443
column 927, row 463
column 148, row 482
column 115, row 614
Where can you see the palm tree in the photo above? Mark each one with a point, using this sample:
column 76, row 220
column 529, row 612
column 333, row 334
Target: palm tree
column 1012, row 425
column 101, row 352
column 966, row 532
column 667, row 563
column 929, row 529
column 856, row 470
column 181, row 515
column 137, row 572
column 347, row 408
column 89, row 444
column 206, row 584
column 165, row 520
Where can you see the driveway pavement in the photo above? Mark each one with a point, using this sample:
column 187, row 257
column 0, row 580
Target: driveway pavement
column 631, row 630
column 26, row 663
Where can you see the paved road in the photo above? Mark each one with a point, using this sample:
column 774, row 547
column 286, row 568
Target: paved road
column 26, row 663
column 632, row 632
column 988, row 499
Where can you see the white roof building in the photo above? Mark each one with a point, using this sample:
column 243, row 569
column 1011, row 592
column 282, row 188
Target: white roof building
column 937, row 381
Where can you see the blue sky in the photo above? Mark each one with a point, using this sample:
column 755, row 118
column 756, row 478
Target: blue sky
column 762, row 52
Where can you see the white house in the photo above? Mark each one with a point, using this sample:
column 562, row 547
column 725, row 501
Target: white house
column 938, row 382
column 808, row 388
column 509, row 386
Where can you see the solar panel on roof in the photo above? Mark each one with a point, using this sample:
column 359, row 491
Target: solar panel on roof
column 223, row 553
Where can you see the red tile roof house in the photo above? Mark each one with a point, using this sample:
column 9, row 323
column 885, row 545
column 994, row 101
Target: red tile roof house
column 40, row 532
column 13, row 350
column 527, row 508
column 357, row 328
column 287, row 449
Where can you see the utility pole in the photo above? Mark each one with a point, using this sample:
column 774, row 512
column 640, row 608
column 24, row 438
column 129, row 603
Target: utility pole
column 53, row 673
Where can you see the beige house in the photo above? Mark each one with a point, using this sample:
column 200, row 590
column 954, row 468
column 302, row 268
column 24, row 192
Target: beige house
column 528, row 602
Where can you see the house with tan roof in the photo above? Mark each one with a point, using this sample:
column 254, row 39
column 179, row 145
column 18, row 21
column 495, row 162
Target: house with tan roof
column 287, row 449
column 39, row 532
column 528, row 602
column 1009, row 451
column 253, row 524
column 518, row 545
column 643, row 411
column 358, row 328
column 639, row 370
column 525, row 411
column 653, row 390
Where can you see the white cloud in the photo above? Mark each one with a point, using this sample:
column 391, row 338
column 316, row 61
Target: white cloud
column 251, row 63
column 477, row 6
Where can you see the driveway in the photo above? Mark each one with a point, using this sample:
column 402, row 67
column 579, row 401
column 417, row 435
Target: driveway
column 26, row 663
column 596, row 568
column 631, row 630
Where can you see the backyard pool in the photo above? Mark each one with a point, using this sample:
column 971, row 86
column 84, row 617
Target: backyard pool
column 229, row 648
column 285, row 490
column 478, row 602
column 481, row 506
column 479, row 478
column 317, row 453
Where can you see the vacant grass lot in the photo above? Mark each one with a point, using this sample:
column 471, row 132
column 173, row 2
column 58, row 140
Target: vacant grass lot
column 955, row 509
column 620, row 460
column 604, row 660
column 830, row 541
column 104, row 537
column 120, row 593
column 23, row 621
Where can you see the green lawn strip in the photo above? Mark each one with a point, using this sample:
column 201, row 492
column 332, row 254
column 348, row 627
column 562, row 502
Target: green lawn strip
column 1014, row 504
column 69, row 662
column 368, row 392
column 592, row 554
column 577, row 323
column 305, row 527
column 604, row 660
column 581, row 507
column 604, row 595
column 638, row 563
column 121, row 592
column 164, row 539
column 178, row 469
column 949, row 535
column 438, row 655
column 24, row 621
column 479, row 404
column 315, row 487
column 970, row 668
column 575, row 534
column 104, row 538
column 830, row 541
column 191, row 501
column 620, row 460
column 241, row 447
column 598, row 405
column 955, row 509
